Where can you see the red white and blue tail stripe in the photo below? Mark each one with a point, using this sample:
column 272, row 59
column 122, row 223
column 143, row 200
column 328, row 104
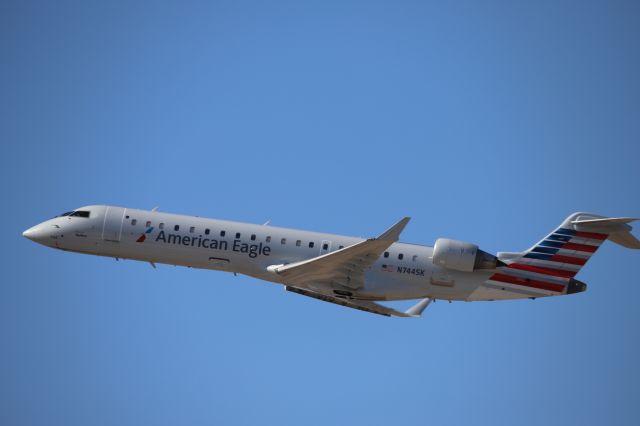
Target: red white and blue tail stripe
column 549, row 267
column 563, row 252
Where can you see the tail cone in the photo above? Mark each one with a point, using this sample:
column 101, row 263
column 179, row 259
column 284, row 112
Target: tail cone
column 576, row 286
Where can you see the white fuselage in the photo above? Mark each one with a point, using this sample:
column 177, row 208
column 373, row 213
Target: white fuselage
column 404, row 271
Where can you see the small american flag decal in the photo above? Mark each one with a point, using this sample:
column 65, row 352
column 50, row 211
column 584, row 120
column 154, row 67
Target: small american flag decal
column 387, row 268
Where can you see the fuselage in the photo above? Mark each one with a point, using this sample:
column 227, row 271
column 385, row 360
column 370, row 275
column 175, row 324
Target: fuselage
column 403, row 271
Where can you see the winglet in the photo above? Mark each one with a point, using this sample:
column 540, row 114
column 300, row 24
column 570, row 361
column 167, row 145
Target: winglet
column 417, row 309
column 393, row 233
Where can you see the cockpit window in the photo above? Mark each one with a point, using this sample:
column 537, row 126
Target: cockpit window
column 65, row 214
column 80, row 213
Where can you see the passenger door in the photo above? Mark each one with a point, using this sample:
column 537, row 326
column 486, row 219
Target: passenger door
column 112, row 225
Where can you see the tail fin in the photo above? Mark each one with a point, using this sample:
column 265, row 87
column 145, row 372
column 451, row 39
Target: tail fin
column 551, row 264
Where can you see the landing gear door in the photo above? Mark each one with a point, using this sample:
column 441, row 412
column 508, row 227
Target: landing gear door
column 325, row 247
column 112, row 226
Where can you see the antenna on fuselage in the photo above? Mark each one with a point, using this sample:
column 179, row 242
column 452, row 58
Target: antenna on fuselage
column 267, row 223
column 155, row 208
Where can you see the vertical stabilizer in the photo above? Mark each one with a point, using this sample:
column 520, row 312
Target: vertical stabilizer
column 549, row 267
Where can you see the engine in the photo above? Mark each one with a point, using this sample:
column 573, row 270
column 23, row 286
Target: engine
column 462, row 256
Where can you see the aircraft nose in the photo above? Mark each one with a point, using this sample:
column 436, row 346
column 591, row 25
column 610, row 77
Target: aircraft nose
column 28, row 233
column 35, row 233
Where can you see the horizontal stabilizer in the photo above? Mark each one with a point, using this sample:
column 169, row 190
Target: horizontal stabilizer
column 625, row 239
column 617, row 229
column 605, row 221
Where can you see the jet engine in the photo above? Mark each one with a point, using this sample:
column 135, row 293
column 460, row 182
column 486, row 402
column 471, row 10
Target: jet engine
column 462, row 256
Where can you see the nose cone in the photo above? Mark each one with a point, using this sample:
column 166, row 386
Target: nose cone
column 36, row 234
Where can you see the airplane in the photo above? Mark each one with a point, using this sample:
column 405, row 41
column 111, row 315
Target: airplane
column 348, row 271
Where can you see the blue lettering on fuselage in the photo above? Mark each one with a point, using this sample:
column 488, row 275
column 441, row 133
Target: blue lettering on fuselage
column 251, row 250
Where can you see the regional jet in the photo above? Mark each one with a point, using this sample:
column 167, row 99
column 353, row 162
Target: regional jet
column 348, row 271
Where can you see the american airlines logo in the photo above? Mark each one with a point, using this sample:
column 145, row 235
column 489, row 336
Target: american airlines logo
column 252, row 250
column 143, row 236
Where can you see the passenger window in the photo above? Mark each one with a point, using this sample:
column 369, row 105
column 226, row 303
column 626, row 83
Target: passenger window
column 222, row 233
column 177, row 227
column 161, row 225
column 253, row 237
column 133, row 222
column 283, row 241
column 298, row 243
column 148, row 224
column 325, row 246
column 386, row 254
column 311, row 244
column 192, row 229
column 268, row 239
column 207, row 231
column 400, row 256
column 237, row 235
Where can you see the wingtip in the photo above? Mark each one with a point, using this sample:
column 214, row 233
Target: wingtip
column 393, row 233
column 416, row 310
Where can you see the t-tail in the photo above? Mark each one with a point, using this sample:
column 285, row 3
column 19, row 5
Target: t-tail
column 549, row 267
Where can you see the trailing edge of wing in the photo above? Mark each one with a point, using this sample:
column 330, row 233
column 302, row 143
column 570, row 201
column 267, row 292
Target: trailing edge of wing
column 365, row 305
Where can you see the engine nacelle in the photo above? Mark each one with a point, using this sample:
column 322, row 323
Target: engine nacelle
column 461, row 256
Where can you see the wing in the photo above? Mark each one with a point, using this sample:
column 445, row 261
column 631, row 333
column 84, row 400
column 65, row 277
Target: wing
column 344, row 267
column 365, row 305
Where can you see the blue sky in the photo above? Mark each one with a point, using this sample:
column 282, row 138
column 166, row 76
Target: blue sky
column 484, row 121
